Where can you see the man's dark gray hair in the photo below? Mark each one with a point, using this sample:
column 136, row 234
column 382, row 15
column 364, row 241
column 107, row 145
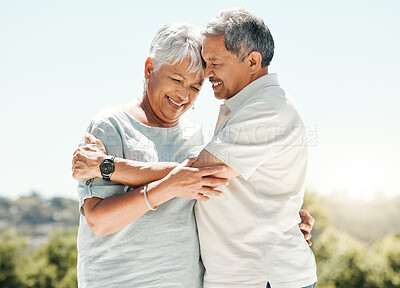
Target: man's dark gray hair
column 244, row 33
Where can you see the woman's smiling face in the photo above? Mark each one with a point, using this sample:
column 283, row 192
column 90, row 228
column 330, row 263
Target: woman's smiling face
column 172, row 90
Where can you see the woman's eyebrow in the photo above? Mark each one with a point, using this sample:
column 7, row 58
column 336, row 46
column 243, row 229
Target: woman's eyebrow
column 180, row 75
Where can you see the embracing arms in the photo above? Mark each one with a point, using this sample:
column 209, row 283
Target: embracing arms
column 87, row 159
column 164, row 177
column 166, row 181
column 109, row 215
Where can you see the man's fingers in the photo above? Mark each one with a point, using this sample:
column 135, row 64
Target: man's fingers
column 205, row 171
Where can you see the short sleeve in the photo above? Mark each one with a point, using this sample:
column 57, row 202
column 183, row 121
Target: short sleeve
column 108, row 133
column 251, row 135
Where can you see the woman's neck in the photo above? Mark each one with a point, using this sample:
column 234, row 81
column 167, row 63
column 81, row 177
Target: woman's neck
column 141, row 110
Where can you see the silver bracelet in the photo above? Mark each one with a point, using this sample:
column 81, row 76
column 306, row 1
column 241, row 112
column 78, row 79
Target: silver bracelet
column 147, row 200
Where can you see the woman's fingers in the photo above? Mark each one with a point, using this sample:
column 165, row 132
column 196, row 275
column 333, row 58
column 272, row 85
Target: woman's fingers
column 214, row 181
column 189, row 162
column 211, row 191
column 205, row 171
column 305, row 228
column 202, row 197
column 90, row 139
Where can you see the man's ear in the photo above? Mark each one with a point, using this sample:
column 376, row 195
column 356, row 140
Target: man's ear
column 254, row 61
column 148, row 68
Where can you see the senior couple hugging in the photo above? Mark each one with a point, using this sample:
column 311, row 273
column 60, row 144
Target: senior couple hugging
column 160, row 208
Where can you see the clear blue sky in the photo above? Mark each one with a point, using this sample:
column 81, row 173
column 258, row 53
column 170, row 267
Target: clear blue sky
column 61, row 62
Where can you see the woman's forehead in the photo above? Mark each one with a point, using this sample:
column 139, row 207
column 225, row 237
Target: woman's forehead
column 183, row 70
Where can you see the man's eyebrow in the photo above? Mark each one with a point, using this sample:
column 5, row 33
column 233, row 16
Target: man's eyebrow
column 213, row 58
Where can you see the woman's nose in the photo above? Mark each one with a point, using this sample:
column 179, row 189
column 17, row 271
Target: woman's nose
column 183, row 93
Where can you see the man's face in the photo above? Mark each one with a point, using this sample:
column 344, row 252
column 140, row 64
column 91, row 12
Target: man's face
column 226, row 75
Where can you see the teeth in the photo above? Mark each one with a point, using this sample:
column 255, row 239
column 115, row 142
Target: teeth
column 173, row 102
column 215, row 84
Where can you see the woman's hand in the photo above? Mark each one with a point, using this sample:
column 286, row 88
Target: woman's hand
column 306, row 225
column 194, row 183
column 87, row 159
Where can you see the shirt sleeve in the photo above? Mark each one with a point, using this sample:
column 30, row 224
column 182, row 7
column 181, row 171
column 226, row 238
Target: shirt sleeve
column 251, row 136
column 108, row 133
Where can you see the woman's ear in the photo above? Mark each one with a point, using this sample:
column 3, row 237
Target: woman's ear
column 254, row 60
column 148, row 68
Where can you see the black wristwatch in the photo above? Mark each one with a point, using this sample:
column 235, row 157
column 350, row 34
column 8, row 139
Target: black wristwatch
column 107, row 167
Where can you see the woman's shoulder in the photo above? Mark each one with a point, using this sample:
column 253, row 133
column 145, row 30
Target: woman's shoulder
column 112, row 115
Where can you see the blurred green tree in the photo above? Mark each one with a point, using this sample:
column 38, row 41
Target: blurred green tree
column 10, row 248
column 53, row 265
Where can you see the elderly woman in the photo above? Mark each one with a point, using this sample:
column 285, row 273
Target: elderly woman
column 157, row 249
column 120, row 242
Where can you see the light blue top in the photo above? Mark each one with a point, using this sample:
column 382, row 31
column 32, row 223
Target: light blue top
column 161, row 248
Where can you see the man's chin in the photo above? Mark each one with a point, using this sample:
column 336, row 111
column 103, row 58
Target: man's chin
column 220, row 96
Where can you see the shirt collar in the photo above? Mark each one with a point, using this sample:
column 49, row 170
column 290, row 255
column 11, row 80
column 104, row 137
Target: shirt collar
column 248, row 91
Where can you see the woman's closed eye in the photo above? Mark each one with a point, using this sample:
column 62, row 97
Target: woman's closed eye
column 176, row 80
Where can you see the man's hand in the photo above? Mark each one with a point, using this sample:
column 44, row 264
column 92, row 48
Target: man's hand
column 87, row 159
column 306, row 225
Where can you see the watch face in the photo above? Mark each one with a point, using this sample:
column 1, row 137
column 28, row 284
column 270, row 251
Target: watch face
column 107, row 168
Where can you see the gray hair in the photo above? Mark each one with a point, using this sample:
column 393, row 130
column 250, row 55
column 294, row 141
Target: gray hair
column 176, row 42
column 244, row 33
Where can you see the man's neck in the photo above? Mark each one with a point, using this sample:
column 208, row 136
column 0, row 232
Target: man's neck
column 260, row 73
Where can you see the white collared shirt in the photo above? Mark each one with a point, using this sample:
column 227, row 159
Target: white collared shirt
column 250, row 235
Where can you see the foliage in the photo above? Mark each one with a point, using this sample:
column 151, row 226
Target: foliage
column 52, row 265
column 343, row 260
column 10, row 251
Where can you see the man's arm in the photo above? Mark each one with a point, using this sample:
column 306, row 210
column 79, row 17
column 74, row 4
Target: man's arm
column 87, row 159
column 206, row 159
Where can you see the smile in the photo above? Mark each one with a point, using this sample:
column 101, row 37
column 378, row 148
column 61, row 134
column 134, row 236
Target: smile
column 215, row 82
column 175, row 103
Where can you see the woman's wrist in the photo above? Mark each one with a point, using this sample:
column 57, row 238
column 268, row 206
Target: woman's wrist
column 159, row 192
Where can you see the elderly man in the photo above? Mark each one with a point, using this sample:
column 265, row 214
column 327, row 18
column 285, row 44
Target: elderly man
column 249, row 237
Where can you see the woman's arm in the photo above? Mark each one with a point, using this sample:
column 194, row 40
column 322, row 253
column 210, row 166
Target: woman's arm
column 110, row 215
column 87, row 159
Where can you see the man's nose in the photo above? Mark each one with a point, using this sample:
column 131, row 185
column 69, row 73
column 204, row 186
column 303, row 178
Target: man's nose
column 208, row 72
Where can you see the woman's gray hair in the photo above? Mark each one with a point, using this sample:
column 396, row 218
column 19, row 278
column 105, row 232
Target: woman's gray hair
column 244, row 33
column 176, row 42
